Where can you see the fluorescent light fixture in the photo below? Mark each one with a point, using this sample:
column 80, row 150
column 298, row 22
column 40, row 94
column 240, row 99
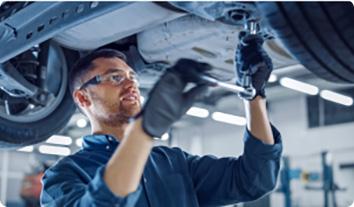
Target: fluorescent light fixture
column 336, row 97
column 26, row 149
column 59, row 139
column 299, row 86
column 272, row 78
column 78, row 142
column 229, row 118
column 54, row 150
column 81, row 123
column 165, row 137
column 198, row 112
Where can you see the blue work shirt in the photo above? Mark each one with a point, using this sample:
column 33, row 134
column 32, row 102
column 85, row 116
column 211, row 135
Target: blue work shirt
column 171, row 176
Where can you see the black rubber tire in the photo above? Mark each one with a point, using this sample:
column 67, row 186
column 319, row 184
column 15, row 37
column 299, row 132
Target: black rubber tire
column 319, row 35
column 15, row 135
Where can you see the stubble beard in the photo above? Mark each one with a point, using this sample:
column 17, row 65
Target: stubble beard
column 122, row 115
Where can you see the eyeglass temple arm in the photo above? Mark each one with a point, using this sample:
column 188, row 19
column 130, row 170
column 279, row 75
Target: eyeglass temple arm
column 94, row 81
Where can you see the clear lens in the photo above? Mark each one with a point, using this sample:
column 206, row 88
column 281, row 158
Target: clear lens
column 117, row 79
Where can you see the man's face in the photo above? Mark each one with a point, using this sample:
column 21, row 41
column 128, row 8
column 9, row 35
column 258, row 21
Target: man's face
column 113, row 103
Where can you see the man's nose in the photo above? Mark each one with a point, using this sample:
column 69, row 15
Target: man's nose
column 129, row 83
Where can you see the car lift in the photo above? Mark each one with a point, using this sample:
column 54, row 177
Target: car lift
column 329, row 187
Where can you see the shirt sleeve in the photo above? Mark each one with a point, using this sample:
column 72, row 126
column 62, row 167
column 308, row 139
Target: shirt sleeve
column 62, row 186
column 223, row 181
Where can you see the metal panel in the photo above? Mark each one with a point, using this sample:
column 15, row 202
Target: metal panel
column 40, row 21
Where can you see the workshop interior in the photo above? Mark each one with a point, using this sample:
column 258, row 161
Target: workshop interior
column 309, row 93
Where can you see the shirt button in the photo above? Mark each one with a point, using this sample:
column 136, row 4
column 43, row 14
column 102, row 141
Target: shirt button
column 107, row 147
column 145, row 180
column 110, row 139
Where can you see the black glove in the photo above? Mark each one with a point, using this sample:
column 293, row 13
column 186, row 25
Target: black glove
column 252, row 60
column 167, row 101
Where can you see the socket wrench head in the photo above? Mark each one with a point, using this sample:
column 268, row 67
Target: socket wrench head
column 248, row 94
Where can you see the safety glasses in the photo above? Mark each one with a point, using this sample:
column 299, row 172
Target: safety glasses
column 114, row 78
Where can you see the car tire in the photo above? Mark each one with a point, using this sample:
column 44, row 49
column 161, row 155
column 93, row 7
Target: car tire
column 15, row 134
column 319, row 35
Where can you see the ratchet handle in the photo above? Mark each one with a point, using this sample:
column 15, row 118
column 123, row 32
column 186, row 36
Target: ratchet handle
column 246, row 92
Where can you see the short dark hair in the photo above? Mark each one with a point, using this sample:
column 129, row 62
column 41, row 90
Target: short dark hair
column 85, row 64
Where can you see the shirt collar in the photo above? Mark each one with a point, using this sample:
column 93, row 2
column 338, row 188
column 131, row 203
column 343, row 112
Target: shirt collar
column 99, row 141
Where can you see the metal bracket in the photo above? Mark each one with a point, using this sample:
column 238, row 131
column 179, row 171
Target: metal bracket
column 14, row 84
column 41, row 21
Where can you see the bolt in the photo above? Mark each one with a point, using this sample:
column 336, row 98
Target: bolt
column 94, row 4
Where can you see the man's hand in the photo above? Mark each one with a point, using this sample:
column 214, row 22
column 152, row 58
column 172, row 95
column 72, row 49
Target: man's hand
column 251, row 59
column 168, row 100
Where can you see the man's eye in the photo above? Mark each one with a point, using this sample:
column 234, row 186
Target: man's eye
column 117, row 78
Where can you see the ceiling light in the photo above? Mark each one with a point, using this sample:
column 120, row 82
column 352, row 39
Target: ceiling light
column 54, row 150
column 78, row 142
column 336, row 97
column 59, row 139
column 198, row 112
column 272, row 78
column 299, row 86
column 26, row 149
column 81, row 123
column 229, row 118
column 165, row 137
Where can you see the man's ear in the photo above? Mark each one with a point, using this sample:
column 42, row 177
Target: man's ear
column 81, row 98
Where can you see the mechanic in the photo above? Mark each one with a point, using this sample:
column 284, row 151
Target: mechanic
column 118, row 165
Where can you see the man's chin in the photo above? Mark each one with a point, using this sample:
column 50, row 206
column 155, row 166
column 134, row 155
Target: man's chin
column 131, row 110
